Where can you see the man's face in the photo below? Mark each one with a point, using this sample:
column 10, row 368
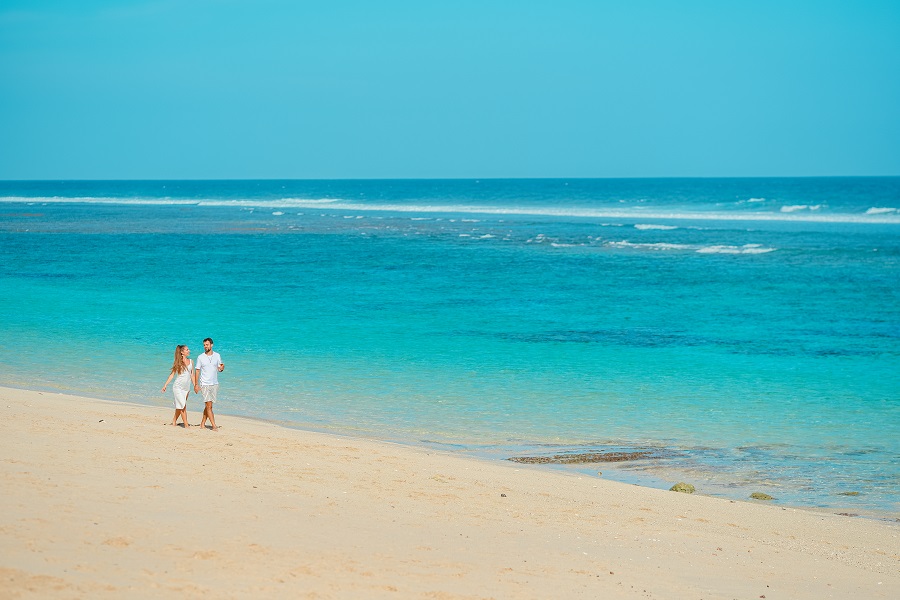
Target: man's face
column 207, row 346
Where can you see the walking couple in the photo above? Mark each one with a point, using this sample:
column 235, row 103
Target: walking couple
column 205, row 379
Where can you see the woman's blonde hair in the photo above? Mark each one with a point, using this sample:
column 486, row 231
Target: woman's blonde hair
column 178, row 366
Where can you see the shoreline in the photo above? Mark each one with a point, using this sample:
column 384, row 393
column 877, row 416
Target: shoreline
column 103, row 499
column 646, row 475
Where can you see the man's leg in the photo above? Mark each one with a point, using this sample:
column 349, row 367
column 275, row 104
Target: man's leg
column 212, row 417
column 205, row 416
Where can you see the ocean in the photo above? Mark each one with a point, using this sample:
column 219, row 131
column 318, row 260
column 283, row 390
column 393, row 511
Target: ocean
column 742, row 335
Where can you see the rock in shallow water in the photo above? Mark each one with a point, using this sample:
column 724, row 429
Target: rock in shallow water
column 761, row 496
column 589, row 457
column 684, row 488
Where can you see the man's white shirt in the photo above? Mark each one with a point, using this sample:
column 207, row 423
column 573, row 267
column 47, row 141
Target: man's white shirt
column 208, row 367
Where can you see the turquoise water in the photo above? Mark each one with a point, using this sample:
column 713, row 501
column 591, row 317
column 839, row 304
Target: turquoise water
column 745, row 330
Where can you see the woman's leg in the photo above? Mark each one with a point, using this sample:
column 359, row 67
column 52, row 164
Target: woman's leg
column 184, row 411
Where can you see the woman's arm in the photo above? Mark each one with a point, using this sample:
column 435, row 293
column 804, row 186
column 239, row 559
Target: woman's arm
column 166, row 384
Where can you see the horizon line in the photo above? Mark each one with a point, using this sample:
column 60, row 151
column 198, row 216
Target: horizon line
column 451, row 178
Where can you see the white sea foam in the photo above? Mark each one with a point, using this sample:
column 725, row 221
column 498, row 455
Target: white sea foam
column 745, row 249
column 881, row 210
column 795, row 213
column 717, row 249
column 796, row 207
column 643, row 226
column 246, row 203
column 95, row 200
column 278, row 213
column 648, row 246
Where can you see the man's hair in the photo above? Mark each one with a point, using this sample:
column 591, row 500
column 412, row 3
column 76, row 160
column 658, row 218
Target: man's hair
column 208, row 340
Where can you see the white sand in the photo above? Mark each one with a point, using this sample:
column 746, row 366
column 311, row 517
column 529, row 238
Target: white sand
column 104, row 499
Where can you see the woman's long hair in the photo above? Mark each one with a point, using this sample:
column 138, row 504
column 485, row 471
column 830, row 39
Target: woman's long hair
column 178, row 366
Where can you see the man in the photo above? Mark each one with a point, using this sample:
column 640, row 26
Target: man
column 206, row 380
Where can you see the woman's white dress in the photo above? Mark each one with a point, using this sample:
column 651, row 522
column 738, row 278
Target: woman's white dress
column 182, row 386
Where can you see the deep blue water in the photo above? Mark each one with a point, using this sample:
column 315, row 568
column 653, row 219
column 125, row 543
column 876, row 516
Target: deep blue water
column 745, row 330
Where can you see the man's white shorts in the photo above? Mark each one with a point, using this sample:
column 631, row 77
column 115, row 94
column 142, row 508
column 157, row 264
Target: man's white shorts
column 209, row 392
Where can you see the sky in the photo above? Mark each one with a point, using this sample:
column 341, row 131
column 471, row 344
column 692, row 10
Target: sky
column 270, row 89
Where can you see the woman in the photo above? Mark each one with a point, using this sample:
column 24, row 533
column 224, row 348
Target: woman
column 182, row 371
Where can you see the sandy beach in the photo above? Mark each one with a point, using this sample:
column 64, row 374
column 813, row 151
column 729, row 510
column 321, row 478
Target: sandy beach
column 104, row 499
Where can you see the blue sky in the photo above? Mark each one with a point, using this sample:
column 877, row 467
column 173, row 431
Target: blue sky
column 202, row 89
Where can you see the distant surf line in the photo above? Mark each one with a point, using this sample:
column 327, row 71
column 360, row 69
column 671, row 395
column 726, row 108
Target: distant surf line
column 880, row 216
